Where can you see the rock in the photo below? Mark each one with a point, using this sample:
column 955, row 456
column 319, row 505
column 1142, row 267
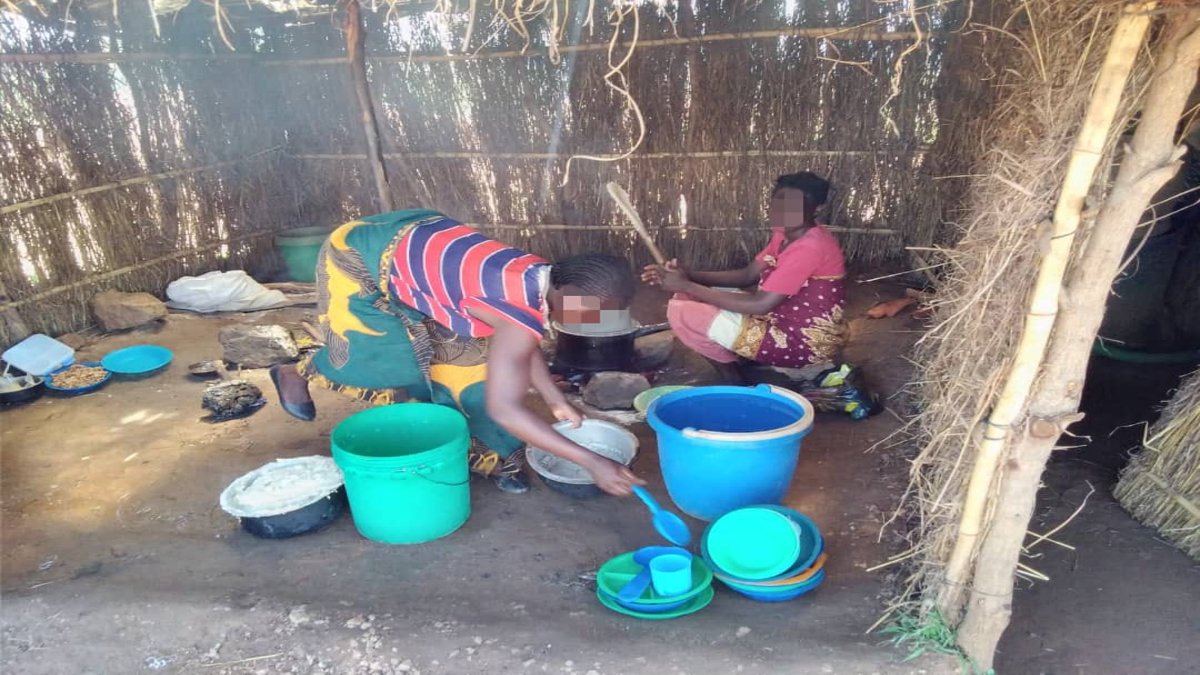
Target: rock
column 743, row 631
column 299, row 616
column 653, row 351
column 74, row 340
column 232, row 400
column 115, row 310
column 258, row 346
column 614, row 390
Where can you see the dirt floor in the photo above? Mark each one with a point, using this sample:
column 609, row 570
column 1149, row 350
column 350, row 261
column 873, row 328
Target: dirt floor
column 117, row 559
column 1124, row 600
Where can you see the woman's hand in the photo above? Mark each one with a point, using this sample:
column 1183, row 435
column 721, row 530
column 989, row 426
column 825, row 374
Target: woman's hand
column 565, row 412
column 657, row 275
column 672, row 279
column 615, row 479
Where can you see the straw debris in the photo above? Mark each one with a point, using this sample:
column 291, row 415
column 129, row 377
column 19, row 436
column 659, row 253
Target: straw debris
column 1161, row 485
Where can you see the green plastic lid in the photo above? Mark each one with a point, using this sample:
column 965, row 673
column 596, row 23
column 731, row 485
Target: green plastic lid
column 753, row 543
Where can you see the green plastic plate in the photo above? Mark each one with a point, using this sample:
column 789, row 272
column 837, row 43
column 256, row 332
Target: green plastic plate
column 614, row 574
column 753, row 543
column 694, row 605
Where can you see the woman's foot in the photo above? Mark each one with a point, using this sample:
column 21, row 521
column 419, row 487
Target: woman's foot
column 505, row 473
column 516, row 484
column 293, row 392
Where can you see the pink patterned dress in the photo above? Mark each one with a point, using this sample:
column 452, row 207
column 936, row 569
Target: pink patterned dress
column 808, row 327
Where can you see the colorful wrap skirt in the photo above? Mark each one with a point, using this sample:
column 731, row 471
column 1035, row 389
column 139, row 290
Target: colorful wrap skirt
column 806, row 328
column 383, row 352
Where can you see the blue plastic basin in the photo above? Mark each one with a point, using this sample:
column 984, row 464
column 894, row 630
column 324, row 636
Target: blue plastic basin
column 137, row 360
column 723, row 448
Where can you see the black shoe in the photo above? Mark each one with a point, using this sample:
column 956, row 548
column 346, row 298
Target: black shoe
column 514, row 484
column 302, row 411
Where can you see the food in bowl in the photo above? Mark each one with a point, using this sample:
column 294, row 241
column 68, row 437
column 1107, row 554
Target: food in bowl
column 78, row 376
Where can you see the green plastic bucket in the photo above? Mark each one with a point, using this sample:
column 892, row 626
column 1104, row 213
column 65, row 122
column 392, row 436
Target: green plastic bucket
column 406, row 471
column 299, row 248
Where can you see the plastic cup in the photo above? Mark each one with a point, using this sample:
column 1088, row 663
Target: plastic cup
column 671, row 574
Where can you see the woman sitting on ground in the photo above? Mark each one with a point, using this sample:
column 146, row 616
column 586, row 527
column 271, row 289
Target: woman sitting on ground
column 413, row 305
column 794, row 318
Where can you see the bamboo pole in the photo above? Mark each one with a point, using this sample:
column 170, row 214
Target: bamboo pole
column 112, row 274
column 126, row 182
column 354, row 28
column 690, row 229
column 106, row 58
column 13, row 328
column 840, row 34
column 1085, row 157
column 1149, row 162
column 542, row 156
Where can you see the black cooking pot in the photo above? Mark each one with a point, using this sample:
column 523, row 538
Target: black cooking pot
column 31, row 389
column 600, row 352
column 301, row 521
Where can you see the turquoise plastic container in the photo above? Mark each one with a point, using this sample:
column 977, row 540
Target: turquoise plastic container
column 723, row 448
column 299, row 249
column 406, row 471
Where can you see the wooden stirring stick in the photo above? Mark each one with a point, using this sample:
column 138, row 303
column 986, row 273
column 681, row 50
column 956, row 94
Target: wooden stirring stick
column 622, row 199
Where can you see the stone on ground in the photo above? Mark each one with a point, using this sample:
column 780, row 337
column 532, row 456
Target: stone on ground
column 652, row 351
column 614, row 390
column 258, row 346
column 74, row 340
column 115, row 310
column 232, row 399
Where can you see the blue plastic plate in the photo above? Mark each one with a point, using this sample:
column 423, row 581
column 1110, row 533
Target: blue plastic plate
column 792, row 594
column 137, row 360
column 76, row 391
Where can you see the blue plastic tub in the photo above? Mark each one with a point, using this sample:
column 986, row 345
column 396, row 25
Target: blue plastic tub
column 723, row 448
column 39, row 355
column 138, row 360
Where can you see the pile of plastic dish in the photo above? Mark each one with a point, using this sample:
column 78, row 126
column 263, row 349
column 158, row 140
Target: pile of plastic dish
column 766, row 553
column 656, row 582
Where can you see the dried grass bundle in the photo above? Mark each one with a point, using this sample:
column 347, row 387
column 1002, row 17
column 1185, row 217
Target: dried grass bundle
column 1161, row 485
column 1047, row 54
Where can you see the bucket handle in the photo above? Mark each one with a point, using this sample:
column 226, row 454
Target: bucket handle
column 800, row 426
column 422, row 471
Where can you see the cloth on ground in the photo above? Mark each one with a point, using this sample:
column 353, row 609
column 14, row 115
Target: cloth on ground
column 232, row 291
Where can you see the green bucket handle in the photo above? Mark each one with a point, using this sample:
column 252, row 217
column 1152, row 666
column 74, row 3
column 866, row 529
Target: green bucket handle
column 421, row 471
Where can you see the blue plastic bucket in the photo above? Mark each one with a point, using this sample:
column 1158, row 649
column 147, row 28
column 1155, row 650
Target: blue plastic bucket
column 723, row 448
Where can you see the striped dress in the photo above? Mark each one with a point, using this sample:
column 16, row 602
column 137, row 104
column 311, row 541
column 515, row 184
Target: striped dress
column 444, row 268
column 395, row 293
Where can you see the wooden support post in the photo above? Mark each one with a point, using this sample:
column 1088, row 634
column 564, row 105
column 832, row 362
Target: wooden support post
column 1151, row 158
column 1011, row 404
column 355, row 30
column 13, row 328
